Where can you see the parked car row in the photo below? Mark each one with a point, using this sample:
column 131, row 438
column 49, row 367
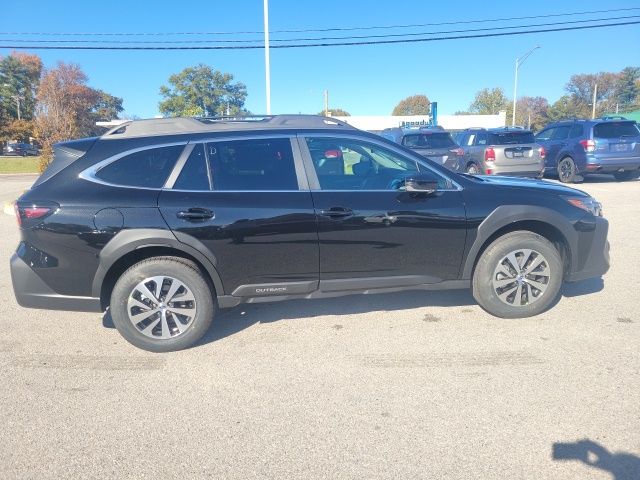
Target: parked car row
column 20, row 149
column 568, row 150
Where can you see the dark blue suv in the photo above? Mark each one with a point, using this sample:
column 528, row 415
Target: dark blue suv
column 603, row 145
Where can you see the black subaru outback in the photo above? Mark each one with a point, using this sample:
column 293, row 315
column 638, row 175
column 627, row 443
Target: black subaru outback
column 161, row 220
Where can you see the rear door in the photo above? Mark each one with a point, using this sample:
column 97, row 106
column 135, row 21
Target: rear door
column 245, row 203
column 557, row 144
column 617, row 141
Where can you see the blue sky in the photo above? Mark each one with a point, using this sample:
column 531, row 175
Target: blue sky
column 364, row 80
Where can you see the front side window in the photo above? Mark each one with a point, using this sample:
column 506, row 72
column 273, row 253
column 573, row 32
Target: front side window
column 147, row 168
column 346, row 164
column 257, row 164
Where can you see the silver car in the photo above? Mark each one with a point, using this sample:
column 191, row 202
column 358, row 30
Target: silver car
column 432, row 142
column 501, row 151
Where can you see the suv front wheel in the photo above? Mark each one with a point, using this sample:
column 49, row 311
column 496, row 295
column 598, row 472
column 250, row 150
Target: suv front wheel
column 162, row 304
column 518, row 275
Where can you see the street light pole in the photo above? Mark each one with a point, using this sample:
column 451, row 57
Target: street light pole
column 519, row 61
column 267, row 65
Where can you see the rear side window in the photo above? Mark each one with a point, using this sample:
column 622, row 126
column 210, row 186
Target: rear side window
column 561, row 133
column 615, row 130
column 194, row 174
column 259, row 164
column 430, row 140
column 481, row 139
column 510, row 138
column 147, row 168
column 576, row 131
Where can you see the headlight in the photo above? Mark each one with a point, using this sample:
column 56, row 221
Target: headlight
column 589, row 204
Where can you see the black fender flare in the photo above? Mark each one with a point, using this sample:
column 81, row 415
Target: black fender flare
column 127, row 241
column 506, row 215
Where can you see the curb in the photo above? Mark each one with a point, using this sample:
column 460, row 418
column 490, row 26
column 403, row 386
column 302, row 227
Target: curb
column 7, row 208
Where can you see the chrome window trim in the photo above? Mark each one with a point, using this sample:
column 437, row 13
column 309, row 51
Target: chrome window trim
column 89, row 174
column 350, row 136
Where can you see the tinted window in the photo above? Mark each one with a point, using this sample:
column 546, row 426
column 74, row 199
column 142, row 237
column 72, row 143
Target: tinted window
column 561, row 133
column 576, row 131
column 194, row 174
column 345, row 164
column 482, row 138
column 510, row 138
column 259, row 164
column 615, row 130
column 429, row 140
column 146, row 168
column 545, row 134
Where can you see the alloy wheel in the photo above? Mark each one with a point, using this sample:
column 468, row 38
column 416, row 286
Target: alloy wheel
column 161, row 307
column 521, row 277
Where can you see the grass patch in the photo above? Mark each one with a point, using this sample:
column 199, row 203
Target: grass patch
column 19, row 164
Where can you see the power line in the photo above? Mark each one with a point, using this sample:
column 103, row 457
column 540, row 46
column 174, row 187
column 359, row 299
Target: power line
column 306, row 45
column 359, row 37
column 328, row 29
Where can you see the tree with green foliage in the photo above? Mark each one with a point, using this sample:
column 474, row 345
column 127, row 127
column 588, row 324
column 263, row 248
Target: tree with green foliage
column 336, row 112
column 19, row 78
column 489, row 102
column 628, row 88
column 413, row 105
column 202, row 91
column 567, row 106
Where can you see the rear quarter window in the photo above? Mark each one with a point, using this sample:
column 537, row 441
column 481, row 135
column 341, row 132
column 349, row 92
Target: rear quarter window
column 615, row 130
column 511, row 138
column 147, row 168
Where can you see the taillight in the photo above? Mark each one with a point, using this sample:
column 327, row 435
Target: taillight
column 588, row 145
column 458, row 151
column 17, row 211
column 542, row 152
column 26, row 213
column 489, row 155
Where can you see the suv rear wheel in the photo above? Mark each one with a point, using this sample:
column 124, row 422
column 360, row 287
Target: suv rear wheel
column 567, row 171
column 625, row 176
column 519, row 275
column 162, row 304
column 472, row 169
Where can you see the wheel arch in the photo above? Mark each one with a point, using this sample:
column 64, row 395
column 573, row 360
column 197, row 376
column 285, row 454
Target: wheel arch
column 131, row 246
column 510, row 218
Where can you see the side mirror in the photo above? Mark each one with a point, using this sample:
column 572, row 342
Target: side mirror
column 420, row 185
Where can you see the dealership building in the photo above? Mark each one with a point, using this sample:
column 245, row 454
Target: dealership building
column 376, row 123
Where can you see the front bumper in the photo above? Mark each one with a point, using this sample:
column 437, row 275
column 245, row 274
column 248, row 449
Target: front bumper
column 31, row 291
column 592, row 255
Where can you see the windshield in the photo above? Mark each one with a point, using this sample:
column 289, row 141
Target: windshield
column 429, row 140
column 510, row 138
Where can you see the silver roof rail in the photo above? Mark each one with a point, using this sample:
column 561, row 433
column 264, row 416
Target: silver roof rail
column 182, row 125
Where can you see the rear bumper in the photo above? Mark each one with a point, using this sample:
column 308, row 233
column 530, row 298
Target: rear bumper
column 526, row 174
column 593, row 253
column 611, row 165
column 31, row 292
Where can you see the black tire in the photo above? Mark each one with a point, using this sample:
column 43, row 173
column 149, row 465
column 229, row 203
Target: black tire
column 567, row 170
column 484, row 275
column 173, row 268
column 625, row 176
column 472, row 169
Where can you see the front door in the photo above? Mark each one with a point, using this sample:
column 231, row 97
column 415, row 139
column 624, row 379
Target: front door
column 372, row 233
column 242, row 202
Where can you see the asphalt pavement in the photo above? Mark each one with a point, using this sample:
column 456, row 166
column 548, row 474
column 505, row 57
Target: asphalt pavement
column 413, row 385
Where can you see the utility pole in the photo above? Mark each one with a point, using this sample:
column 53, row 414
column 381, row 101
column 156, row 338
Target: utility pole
column 593, row 107
column 267, row 63
column 519, row 61
column 326, row 103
